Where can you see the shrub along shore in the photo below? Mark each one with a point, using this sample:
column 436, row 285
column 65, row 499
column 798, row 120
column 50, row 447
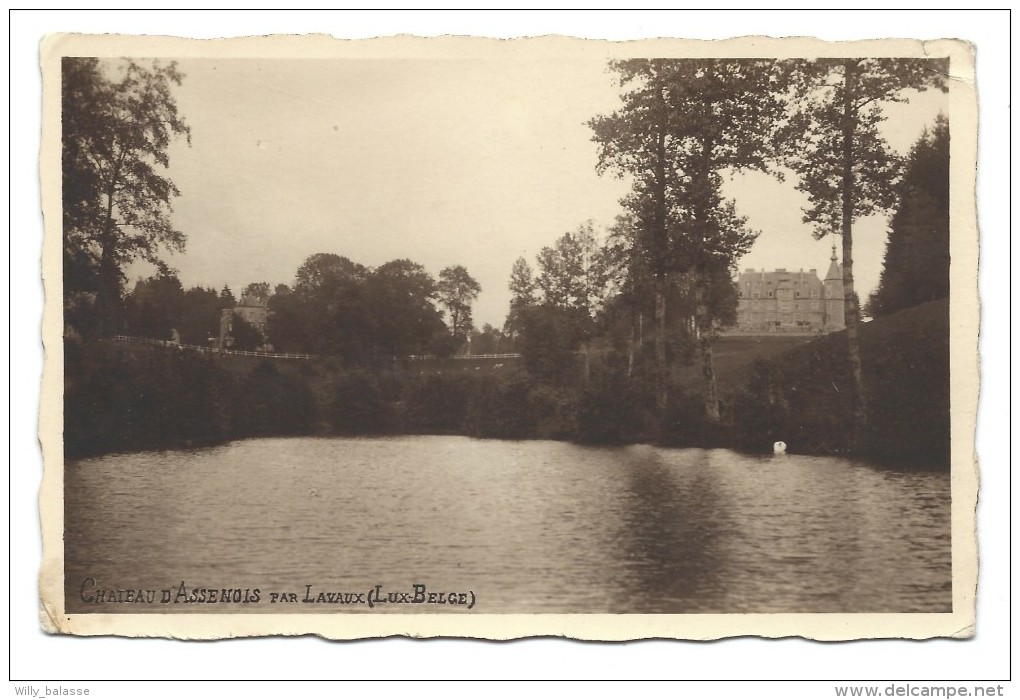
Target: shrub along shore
column 122, row 398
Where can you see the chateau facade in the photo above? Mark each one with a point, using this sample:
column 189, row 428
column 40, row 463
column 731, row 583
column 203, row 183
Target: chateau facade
column 793, row 303
column 252, row 309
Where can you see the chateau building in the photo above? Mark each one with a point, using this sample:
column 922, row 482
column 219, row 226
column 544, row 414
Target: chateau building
column 252, row 309
column 795, row 303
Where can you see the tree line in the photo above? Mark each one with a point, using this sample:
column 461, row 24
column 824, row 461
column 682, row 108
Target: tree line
column 656, row 287
column 339, row 307
column 335, row 307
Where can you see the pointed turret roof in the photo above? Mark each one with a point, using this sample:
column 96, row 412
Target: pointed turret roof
column 835, row 271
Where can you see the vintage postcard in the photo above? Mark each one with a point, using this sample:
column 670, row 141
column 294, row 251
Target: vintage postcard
column 475, row 338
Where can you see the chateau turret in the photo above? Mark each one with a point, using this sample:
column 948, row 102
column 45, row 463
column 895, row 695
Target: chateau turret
column 834, row 318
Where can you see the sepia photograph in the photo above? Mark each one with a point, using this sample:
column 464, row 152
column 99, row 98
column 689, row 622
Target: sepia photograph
column 459, row 337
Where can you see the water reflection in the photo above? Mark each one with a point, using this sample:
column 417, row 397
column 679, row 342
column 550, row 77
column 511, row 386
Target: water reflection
column 529, row 526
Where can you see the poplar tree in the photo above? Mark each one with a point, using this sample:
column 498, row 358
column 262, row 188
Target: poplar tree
column 522, row 288
column 683, row 125
column 845, row 166
column 637, row 142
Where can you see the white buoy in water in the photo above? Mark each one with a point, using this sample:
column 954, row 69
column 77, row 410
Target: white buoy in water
column 779, row 448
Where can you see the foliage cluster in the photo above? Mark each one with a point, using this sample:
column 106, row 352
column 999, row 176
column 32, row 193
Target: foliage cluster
column 118, row 399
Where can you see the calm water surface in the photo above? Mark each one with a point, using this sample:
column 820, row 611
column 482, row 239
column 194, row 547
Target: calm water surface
column 527, row 526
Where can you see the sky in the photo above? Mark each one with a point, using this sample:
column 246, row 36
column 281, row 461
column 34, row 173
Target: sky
column 443, row 161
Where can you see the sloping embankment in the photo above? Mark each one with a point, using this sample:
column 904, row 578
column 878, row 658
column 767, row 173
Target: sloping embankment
column 803, row 397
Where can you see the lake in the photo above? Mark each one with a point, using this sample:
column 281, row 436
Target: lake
column 530, row 526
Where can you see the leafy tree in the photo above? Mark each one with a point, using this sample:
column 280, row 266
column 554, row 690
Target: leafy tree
column 487, row 341
column 401, row 299
column 245, row 335
column 916, row 266
column 522, row 282
column 118, row 120
column 457, row 291
column 324, row 274
column 522, row 287
column 328, row 310
column 291, row 322
column 548, row 339
column 341, row 308
column 200, row 317
column 683, row 123
column 575, row 275
column 637, row 141
column 154, row 308
column 845, row 166
column 636, row 298
column 257, row 290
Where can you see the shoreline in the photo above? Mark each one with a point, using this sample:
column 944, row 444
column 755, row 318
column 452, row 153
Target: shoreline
column 121, row 398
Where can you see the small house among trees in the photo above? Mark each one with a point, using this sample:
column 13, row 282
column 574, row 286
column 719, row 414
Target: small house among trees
column 245, row 324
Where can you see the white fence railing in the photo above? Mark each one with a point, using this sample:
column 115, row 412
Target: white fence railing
column 292, row 355
column 489, row 356
column 215, row 351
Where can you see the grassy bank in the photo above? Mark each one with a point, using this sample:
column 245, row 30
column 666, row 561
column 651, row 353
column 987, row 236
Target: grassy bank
column 122, row 397
column 803, row 396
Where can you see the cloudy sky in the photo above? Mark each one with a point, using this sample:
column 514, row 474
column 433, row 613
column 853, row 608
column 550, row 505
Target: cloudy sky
column 443, row 161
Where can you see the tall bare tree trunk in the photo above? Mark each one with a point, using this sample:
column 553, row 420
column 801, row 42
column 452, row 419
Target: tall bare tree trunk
column 662, row 246
column 860, row 412
column 708, row 371
column 662, row 395
column 630, row 350
column 702, row 326
column 702, row 319
column 108, row 294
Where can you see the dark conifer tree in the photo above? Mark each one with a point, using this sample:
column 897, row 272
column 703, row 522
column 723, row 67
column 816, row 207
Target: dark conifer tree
column 916, row 266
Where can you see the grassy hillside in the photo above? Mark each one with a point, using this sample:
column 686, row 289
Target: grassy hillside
column 732, row 355
column 803, row 397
